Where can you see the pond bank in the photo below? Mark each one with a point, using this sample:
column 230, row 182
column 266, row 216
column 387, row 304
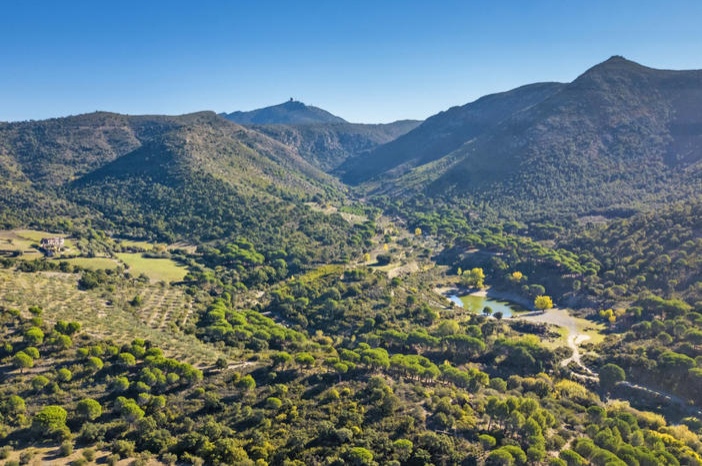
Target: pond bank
column 479, row 300
column 489, row 293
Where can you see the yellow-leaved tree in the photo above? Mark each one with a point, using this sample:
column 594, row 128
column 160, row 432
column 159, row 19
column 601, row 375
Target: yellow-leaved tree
column 543, row 302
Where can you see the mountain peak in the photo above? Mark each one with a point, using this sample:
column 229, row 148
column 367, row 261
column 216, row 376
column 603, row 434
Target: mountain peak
column 616, row 64
column 292, row 112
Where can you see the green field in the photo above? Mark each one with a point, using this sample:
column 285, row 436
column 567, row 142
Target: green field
column 156, row 269
column 93, row 263
column 144, row 245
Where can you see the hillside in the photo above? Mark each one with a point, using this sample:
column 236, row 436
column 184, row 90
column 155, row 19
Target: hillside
column 195, row 177
column 618, row 137
column 323, row 139
column 287, row 113
column 441, row 134
column 329, row 145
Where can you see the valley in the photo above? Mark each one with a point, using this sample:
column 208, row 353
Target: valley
column 272, row 287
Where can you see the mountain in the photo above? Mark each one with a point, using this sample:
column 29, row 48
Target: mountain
column 288, row 113
column 323, row 139
column 619, row 137
column 195, row 177
column 327, row 146
column 441, row 134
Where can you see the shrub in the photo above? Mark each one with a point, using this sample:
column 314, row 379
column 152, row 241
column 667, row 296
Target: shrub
column 89, row 454
column 66, row 448
column 5, row 452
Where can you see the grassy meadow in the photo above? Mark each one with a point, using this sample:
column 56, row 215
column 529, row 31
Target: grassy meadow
column 156, row 269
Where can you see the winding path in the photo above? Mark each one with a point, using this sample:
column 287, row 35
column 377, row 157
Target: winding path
column 562, row 318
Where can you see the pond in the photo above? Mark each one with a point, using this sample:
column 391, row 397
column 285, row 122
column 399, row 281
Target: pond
column 478, row 303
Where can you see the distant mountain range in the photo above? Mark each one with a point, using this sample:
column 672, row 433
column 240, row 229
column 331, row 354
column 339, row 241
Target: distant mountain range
column 620, row 137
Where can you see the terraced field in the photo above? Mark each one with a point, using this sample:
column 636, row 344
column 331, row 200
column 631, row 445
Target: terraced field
column 109, row 314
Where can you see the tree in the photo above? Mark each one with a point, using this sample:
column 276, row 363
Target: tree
column 89, row 409
column 611, row 375
column 13, row 406
column 383, row 259
column 126, row 359
column 39, row 382
column 50, row 418
column 360, row 456
column 129, row 409
column 64, row 375
column 473, row 278
column 247, row 383
column 22, row 361
column 94, row 363
column 500, row 457
column 543, row 302
column 34, row 336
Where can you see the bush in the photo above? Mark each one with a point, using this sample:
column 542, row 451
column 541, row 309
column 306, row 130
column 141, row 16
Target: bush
column 26, row 456
column 66, row 448
column 123, row 448
column 89, row 454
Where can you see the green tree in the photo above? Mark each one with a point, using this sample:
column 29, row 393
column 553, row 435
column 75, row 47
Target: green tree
column 89, row 409
column 611, row 375
column 500, row 457
column 129, row 409
column 359, row 456
column 126, row 359
column 34, row 336
column 448, row 327
column 94, row 364
column 13, row 407
column 247, row 383
column 22, row 361
column 50, row 418
column 39, row 382
column 64, row 375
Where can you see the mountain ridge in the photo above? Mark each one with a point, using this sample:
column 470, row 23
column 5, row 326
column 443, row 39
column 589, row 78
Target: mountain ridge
column 291, row 112
column 619, row 135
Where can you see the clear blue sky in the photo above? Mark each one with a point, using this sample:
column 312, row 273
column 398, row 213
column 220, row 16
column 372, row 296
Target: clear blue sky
column 366, row 61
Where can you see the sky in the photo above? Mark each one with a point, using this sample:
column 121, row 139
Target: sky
column 365, row 61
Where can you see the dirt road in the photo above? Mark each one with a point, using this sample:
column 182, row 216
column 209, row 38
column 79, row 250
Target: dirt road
column 562, row 318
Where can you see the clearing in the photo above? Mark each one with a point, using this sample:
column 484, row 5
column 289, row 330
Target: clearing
column 157, row 269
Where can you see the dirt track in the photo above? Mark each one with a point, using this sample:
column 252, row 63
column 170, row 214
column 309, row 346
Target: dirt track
column 562, row 318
